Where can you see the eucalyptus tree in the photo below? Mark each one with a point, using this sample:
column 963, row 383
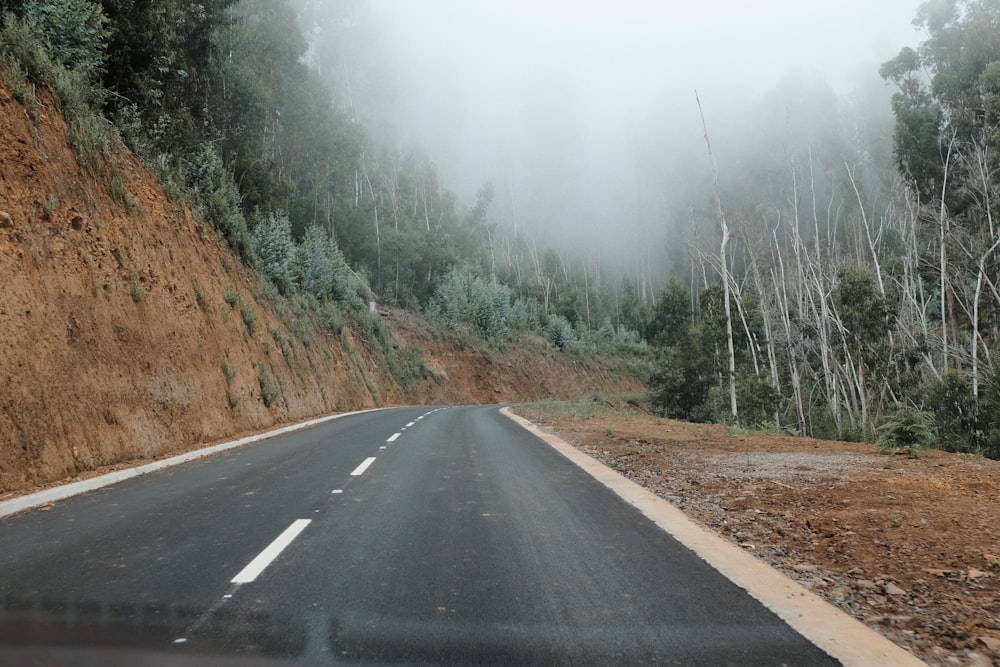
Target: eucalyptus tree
column 947, row 139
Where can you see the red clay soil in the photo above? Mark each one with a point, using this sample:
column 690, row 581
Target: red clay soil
column 116, row 324
column 911, row 547
column 531, row 369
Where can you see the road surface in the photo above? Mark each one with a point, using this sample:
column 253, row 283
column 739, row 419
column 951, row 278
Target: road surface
column 403, row 536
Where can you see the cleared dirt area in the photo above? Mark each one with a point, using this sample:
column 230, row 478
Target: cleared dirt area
column 911, row 547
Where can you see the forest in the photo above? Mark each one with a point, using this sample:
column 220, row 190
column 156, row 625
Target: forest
column 844, row 285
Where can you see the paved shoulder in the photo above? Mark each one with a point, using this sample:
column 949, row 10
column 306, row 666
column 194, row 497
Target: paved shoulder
column 840, row 635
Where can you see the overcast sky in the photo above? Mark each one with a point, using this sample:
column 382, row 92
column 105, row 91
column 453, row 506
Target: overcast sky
column 505, row 90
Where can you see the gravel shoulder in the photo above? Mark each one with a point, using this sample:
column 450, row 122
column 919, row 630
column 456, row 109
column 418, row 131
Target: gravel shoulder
column 911, row 547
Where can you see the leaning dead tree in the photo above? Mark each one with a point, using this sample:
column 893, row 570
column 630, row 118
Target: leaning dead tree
column 723, row 265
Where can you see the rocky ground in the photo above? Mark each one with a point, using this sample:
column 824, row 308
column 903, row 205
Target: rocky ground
column 911, row 547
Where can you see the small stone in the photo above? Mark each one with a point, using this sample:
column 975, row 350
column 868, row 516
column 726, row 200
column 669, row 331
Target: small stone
column 5, row 221
column 978, row 660
column 867, row 584
column 804, row 567
column 840, row 593
column 973, row 573
column 893, row 589
column 991, row 643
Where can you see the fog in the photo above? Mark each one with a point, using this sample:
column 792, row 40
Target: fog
column 582, row 114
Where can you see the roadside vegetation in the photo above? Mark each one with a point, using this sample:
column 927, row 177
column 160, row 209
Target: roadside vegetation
column 861, row 282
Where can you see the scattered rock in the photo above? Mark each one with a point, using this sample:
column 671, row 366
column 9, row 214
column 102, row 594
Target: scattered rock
column 893, row 589
column 866, row 584
column 974, row 574
column 979, row 660
column 804, row 567
column 936, row 572
column 991, row 643
column 5, row 221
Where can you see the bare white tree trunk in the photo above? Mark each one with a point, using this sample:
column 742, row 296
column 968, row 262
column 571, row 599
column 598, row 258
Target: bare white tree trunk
column 725, row 268
column 872, row 242
column 981, row 162
column 378, row 233
column 943, row 228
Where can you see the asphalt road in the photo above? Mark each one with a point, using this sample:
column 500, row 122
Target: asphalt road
column 404, row 536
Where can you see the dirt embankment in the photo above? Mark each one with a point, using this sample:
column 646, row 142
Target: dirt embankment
column 130, row 332
column 529, row 371
column 909, row 546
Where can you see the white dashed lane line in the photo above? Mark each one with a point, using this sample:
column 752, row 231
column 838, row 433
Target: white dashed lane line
column 257, row 565
column 363, row 467
column 393, row 437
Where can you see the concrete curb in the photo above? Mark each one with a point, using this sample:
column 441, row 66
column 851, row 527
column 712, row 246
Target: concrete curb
column 22, row 503
column 840, row 635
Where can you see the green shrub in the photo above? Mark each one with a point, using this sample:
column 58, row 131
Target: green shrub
column 75, row 32
column 136, row 288
column 282, row 343
column 80, row 96
column 331, row 317
column 905, row 428
column 275, row 250
column 269, row 390
column 464, row 302
column 679, row 389
column 955, row 411
column 199, row 293
column 407, row 366
column 249, row 316
column 302, row 307
column 214, row 195
column 757, row 400
column 319, row 268
column 374, row 329
column 227, row 372
column 560, row 332
column 523, row 316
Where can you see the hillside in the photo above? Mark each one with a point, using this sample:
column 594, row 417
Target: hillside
column 131, row 332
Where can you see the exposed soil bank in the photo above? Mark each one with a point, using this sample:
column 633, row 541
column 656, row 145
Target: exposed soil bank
column 130, row 332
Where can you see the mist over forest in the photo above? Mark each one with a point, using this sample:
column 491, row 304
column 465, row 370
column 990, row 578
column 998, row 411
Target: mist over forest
column 583, row 116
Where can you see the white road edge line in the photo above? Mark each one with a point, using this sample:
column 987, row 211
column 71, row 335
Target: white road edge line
column 363, row 467
column 840, row 635
column 257, row 565
column 15, row 505
column 392, row 438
